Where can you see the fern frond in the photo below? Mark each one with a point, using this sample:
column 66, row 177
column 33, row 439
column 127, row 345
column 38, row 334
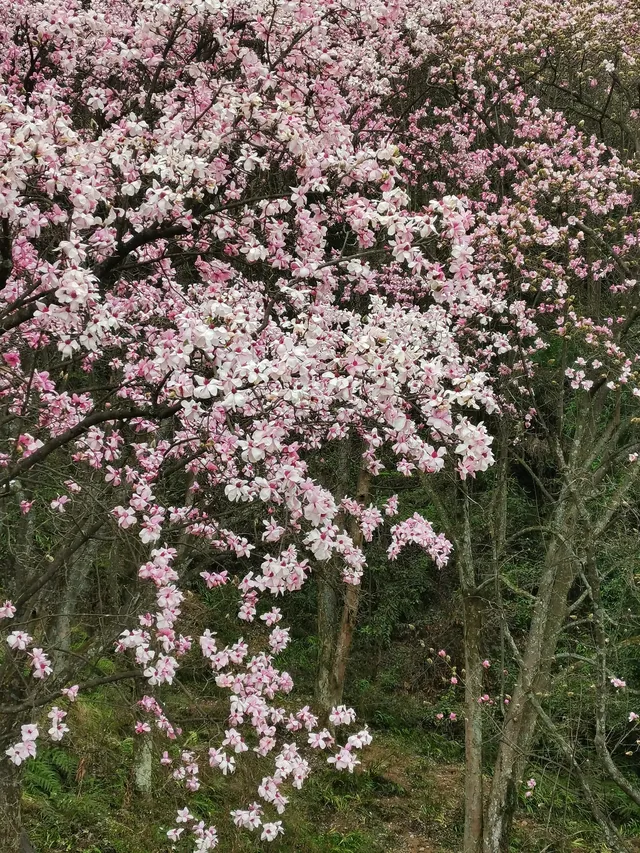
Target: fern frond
column 41, row 776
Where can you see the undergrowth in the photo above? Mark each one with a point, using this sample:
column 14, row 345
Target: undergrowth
column 80, row 796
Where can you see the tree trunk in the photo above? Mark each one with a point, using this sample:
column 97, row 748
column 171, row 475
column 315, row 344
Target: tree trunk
column 335, row 633
column 327, row 621
column 520, row 723
column 10, row 775
column 610, row 767
column 472, row 607
column 455, row 519
column 344, row 639
column 13, row 838
column 610, row 833
column 10, row 818
column 73, row 588
column 143, row 767
column 473, row 785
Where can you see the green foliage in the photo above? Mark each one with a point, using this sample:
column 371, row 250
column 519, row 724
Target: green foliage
column 353, row 842
column 51, row 772
column 41, row 777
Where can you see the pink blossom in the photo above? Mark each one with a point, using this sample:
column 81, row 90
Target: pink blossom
column 341, row 715
column 270, row 831
column 21, row 751
column 58, row 728
column 60, row 502
column 7, row 610
column 71, row 692
column 19, row 640
column 345, row 759
column 174, row 834
column 40, row 663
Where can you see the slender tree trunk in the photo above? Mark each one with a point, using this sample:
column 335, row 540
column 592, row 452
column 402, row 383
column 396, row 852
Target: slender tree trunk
column 473, row 784
column 13, row 837
column 13, row 690
column 143, row 767
column 345, row 638
column 12, row 687
column 336, row 630
column 74, row 585
column 327, row 627
column 610, row 767
column 472, row 607
column 520, row 723
column 10, row 817
column 614, row 842
column 351, row 601
column 456, row 521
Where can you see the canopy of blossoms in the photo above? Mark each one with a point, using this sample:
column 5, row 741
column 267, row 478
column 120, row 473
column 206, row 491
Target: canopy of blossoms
column 207, row 269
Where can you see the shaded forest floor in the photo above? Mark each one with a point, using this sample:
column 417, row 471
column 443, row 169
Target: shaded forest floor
column 405, row 798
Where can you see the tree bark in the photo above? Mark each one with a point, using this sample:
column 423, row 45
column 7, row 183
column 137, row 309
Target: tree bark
column 143, row 767
column 327, row 626
column 351, row 601
column 472, row 608
column 609, row 765
column 10, row 817
column 473, row 734
column 10, row 775
column 335, row 632
column 73, row 588
column 550, row 611
column 455, row 520
column 614, row 842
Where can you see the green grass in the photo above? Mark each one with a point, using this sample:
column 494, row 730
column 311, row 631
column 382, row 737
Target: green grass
column 80, row 795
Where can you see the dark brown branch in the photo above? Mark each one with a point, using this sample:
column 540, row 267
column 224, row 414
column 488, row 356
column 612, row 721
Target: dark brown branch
column 85, row 685
column 159, row 413
column 6, row 259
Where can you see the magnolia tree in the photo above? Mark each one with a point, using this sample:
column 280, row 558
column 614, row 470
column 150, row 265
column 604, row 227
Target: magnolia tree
column 533, row 115
column 235, row 235
column 210, row 270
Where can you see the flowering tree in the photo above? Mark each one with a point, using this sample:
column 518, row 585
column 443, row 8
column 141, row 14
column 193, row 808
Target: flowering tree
column 234, row 236
column 532, row 115
column 208, row 273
